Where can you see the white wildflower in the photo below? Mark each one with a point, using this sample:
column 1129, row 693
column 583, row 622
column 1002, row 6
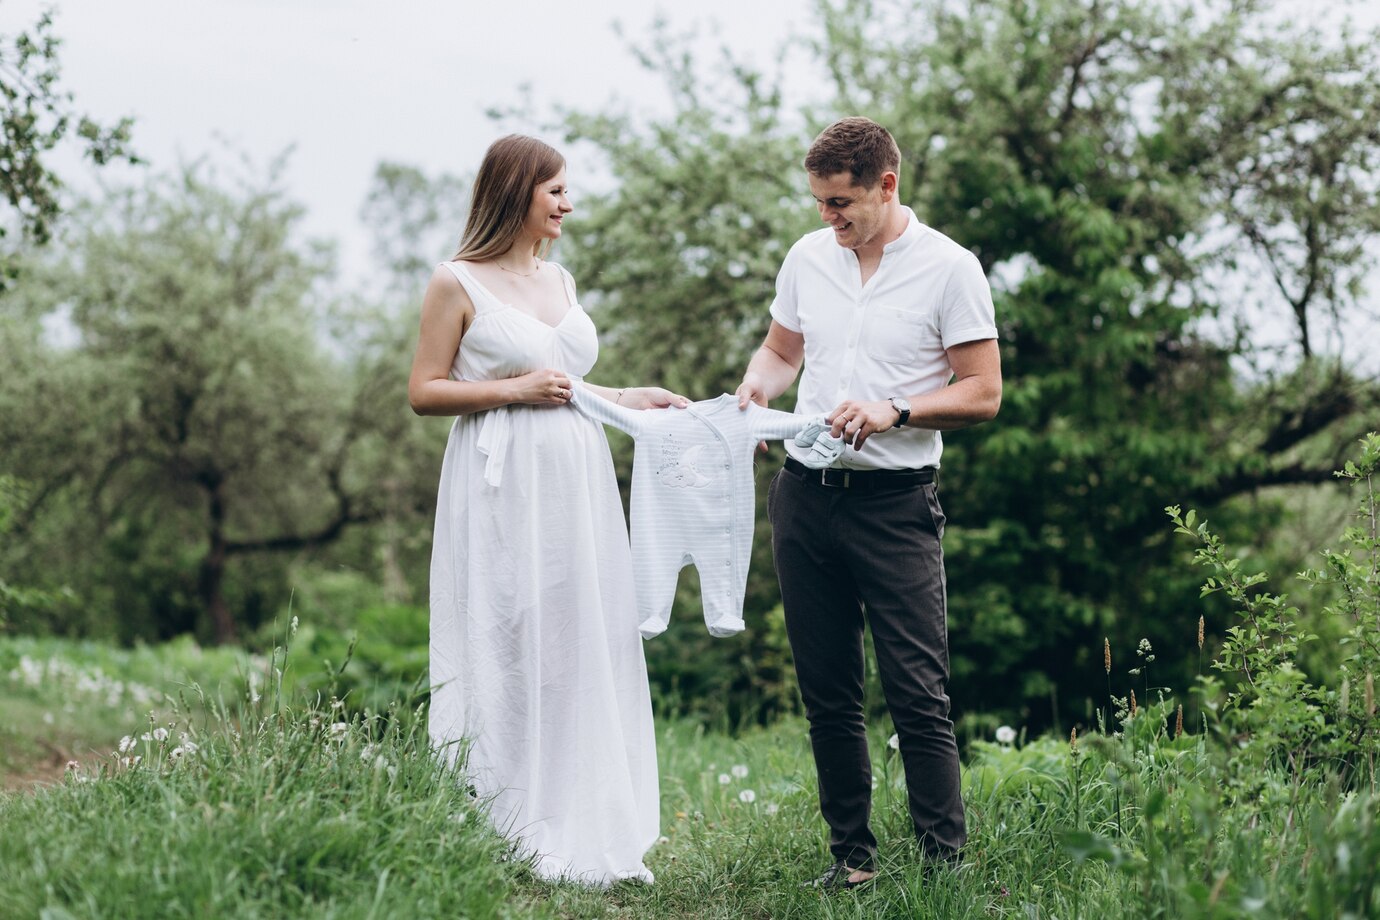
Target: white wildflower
column 772, row 808
column 894, row 742
column 191, row 747
column 663, row 840
column 72, row 765
column 367, row 752
column 126, row 744
column 160, row 734
column 740, row 770
column 1006, row 735
column 747, row 796
column 176, row 752
column 292, row 627
column 725, row 779
column 338, row 730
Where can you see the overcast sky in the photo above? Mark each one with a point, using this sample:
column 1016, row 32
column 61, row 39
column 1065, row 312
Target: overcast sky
column 350, row 83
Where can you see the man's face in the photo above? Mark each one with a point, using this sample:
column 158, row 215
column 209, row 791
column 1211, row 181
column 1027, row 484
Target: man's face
column 855, row 212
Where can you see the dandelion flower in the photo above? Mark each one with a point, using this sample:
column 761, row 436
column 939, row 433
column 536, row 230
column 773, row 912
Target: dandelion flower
column 772, row 808
column 1006, row 735
column 338, row 729
column 740, row 770
column 663, row 840
column 725, row 779
column 160, row 734
column 747, row 796
column 126, row 744
column 894, row 742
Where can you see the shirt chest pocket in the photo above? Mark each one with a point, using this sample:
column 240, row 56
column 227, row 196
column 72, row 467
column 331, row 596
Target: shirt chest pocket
column 898, row 336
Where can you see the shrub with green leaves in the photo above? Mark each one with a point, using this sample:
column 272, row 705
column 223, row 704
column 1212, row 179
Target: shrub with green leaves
column 1280, row 714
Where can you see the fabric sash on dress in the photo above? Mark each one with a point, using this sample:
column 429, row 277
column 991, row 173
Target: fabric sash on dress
column 495, row 433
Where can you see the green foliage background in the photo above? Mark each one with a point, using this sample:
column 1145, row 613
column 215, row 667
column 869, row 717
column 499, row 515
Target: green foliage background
column 226, row 440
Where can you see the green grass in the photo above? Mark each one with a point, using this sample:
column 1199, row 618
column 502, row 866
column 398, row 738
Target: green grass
column 302, row 808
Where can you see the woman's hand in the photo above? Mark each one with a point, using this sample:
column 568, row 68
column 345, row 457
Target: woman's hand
column 541, row 388
column 651, row 398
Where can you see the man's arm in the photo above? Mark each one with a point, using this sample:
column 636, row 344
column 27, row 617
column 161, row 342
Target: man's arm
column 973, row 397
column 773, row 367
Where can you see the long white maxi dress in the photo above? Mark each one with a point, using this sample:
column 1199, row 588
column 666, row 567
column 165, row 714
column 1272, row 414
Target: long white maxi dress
column 536, row 661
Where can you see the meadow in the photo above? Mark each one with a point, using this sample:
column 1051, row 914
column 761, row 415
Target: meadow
column 177, row 781
column 209, row 783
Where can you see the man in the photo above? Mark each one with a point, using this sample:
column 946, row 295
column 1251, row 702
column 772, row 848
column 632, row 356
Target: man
column 882, row 311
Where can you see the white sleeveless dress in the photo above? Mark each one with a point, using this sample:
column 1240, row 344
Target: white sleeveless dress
column 537, row 671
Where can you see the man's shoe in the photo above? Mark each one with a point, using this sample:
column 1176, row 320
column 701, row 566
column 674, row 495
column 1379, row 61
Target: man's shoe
column 836, row 877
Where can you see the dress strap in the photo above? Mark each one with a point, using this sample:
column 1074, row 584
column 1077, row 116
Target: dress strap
column 479, row 295
column 569, row 283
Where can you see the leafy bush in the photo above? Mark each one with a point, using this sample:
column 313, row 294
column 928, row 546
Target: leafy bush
column 1280, row 715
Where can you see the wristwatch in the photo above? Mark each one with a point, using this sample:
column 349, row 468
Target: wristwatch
column 901, row 405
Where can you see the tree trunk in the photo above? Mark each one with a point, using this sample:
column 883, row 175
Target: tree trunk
column 211, row 584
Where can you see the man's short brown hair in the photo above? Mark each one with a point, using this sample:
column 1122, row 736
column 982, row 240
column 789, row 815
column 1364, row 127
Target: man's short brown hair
column 854, row 145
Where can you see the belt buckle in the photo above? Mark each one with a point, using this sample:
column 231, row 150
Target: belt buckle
column 824, row 478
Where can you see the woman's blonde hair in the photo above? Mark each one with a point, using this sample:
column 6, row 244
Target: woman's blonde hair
column 502, row 194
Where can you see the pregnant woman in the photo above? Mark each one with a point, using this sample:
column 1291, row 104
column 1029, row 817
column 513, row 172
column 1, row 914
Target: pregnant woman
column 537, row 675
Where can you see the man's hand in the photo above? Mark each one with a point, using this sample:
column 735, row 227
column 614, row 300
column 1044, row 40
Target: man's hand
column 750, row 390
column 856, row 421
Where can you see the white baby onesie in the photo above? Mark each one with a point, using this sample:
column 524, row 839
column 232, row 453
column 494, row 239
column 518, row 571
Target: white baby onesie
column 692, row 500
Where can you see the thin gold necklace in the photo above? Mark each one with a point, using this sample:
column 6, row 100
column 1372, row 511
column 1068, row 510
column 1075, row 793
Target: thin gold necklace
column 536, row 267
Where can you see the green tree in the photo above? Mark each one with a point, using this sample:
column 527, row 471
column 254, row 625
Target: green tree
column 201, row 415
column 1122, row 170
column 35, row 117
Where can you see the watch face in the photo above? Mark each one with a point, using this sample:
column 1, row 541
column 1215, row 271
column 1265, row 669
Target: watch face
column 901, row 405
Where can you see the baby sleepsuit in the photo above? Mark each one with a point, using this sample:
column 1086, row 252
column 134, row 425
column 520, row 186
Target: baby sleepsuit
column 692, row 500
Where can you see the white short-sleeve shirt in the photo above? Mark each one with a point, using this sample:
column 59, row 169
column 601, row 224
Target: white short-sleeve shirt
column 886, row 338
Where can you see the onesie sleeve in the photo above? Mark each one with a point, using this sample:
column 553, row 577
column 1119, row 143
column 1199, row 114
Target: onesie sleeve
column 772, row 424
column 601, row 410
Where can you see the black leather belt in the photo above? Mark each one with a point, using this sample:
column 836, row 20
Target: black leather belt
column 862, row 480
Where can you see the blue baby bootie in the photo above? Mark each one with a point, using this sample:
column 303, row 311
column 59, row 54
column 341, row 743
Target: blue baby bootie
column 811, row 432
column 824, row 451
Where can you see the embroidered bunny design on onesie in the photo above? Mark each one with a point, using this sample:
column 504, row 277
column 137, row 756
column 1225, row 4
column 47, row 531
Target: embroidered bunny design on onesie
column 692, row 500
